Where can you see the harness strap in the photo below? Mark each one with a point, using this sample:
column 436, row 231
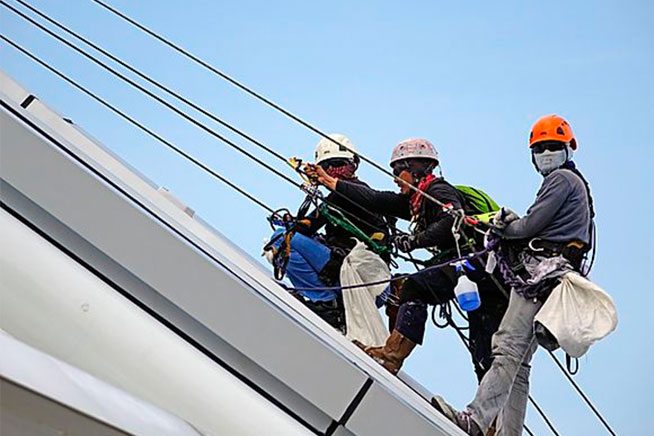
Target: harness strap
column 573, row 251
column 338, row 219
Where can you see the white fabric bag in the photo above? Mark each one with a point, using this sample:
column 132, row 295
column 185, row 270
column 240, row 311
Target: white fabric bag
column 578, row 313
column 362, row 318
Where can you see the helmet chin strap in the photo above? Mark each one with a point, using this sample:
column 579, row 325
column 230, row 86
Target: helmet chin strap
column 569, row 152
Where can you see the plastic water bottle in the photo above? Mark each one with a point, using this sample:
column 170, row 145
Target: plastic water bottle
column 466, row 291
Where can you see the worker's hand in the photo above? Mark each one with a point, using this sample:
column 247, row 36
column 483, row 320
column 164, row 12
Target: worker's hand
column 319, row 175
column 405, row 242
column 503, row 218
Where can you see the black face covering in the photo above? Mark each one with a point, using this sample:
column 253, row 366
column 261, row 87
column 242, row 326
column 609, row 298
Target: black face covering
column 400, row 166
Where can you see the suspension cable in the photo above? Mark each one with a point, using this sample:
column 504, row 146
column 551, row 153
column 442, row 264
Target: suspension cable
column 181, row 98
column 153, row 96
column 150, row 80
column 258, row 96
column 582, row 394
column 543, row 415
column 138, row 125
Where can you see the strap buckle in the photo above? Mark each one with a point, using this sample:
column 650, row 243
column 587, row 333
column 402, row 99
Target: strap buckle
column 533, row 248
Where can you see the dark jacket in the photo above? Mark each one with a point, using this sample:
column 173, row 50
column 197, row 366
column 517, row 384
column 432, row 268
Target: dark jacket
column 561, row 212
column 434, row 226
column 367, row 222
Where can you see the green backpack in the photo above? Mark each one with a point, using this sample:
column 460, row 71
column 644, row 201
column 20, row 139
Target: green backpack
column 477, row 203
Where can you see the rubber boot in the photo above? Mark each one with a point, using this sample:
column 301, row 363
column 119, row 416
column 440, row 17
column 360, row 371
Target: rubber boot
column 392, row 354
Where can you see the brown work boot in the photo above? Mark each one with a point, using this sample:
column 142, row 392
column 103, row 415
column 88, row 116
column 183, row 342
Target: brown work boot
column 393, row 302
column 392, row 354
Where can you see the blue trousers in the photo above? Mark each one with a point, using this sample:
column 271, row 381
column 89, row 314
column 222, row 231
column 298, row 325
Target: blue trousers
column 308, row 258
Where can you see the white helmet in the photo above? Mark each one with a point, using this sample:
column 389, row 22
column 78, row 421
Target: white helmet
column 414, row 148
column 327, row 149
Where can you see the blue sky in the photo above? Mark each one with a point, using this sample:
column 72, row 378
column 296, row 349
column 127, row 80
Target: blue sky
column 471, row 79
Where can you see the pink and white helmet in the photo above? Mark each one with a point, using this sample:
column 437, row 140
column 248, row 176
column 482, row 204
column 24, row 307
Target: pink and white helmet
column 414, row 148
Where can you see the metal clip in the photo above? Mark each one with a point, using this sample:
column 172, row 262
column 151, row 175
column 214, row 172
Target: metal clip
column 296, row 164
column 531, row 246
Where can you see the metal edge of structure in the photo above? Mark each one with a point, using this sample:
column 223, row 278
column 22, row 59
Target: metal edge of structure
column 38, row 387
column 53, row 301
column 166, row 313
column 121, row 226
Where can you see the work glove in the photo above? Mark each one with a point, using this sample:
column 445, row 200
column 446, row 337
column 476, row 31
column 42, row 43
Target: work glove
column 503, row 218
column 311, row 170
column 405, row 242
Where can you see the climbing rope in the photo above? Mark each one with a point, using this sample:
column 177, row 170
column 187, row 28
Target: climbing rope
column 392, row 279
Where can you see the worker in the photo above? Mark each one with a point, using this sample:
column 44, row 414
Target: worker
column 413, row 162
column 534, row 251
column 315, row 260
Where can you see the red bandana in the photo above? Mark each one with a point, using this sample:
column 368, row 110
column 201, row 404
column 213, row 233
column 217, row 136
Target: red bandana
column 417, row 197
column 344, row 172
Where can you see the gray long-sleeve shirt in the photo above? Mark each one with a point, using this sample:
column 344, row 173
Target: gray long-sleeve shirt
column 559, row 214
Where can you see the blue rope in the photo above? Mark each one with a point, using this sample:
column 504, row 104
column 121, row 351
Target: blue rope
column 392, row 279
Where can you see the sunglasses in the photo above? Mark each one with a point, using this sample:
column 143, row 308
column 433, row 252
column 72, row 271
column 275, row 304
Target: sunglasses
column 540, row 147
column 334, row 163
column 399, row 167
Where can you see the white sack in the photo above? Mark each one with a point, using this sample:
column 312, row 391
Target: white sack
column 362, row 318
column 578, row 313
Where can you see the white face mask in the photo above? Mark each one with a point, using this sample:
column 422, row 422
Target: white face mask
column 548, row 161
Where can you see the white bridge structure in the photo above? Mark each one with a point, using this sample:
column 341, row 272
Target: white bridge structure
column 114, row 317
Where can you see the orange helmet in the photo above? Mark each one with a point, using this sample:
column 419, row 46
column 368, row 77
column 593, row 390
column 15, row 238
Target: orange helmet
column 552, row 128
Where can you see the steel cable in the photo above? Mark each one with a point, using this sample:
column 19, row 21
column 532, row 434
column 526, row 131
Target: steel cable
column 582, row 394
column 175, row 109
column 151, row 94
column 256, row 95
column 138, row 125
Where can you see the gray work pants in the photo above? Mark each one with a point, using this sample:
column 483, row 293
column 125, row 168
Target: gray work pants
column 504, row 390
